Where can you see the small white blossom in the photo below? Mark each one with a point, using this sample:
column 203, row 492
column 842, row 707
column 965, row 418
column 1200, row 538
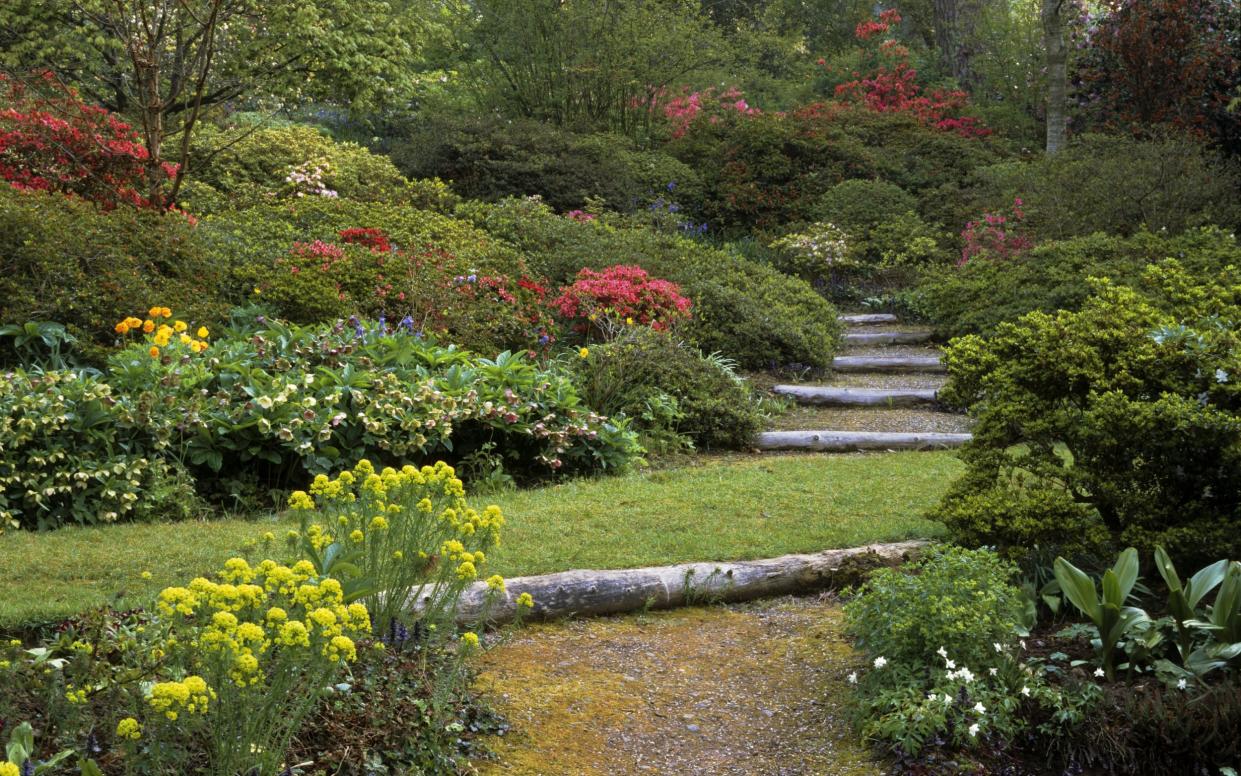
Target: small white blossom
column 942, row 653
column 981, row 709
column 994, row 671
column 998, row 647
column 1221, row 376
column 1181, row 684
column 881, row 661
column 853, row 678
column 951, row 664
column 1025, row 691
column 965, row 675
column 1023, row 644
column 974, row 730
column 1099, row 672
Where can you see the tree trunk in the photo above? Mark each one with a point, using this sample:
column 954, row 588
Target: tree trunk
column 956, row 36
column 1057, row 75
column 595, row 593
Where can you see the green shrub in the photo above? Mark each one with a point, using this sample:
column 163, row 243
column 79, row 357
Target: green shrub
column 858, row 205
column 748, row 311
column 241, row 167
column 629, row 375
column 883, row 226
column 65, row 260
column 1115, row 184
column 73, row 452
column 959, row 600
column 250, row 242
column 978, row 296
column 1128, row 407
column 490, row 158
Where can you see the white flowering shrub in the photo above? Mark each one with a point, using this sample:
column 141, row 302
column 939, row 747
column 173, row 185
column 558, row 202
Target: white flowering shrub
column 815, row 252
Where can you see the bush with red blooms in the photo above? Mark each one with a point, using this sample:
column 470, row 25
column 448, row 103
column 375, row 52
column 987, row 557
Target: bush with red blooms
column 374, row 239
column 892, row 85
column 50, row 140
column 599, row 304
column 996, row 236
column 1175, row 62
column 682, row 109
column 430, row 290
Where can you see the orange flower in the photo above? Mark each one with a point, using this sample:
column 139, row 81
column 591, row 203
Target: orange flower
column 155, row 312
column 165, row 312
column 122, row 328
column 148, row 326
column 133, row 323
column 154, row 351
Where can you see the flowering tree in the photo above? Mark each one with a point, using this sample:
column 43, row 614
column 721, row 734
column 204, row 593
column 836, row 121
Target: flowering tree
column 50, row 140
column 625, row 295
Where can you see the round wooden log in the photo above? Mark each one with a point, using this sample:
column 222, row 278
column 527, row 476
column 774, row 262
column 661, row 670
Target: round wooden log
column 928, row 364
column 856, row 441
column 595, row 593
column 910, row 337
column 857, row 397
column 865, row 319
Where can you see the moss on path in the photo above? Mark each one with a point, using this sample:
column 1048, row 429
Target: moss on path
column 754, row 689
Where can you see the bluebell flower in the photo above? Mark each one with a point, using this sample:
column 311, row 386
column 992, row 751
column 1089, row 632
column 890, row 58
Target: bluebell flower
column 672, row 185
column 472, row 278
column 543, row 340
column 358, row 331
column 407, row 323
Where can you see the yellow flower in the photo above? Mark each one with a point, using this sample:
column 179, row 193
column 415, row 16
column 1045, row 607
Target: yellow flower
column 583, row 353
column 202, row 332
column 356, row 536
column 629, row 321
column 129, row 728
column 148, row 326
column 155, row 312
column 496, row 582
column 470, row 639
column 526, row 600
column 146, row 575
column 258, row 290
column 9, row 769
column 180, row 326
column 466, row 570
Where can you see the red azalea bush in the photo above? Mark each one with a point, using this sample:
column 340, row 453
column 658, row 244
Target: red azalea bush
column 50, row 140
column 598, row 302
column 892, row 85
column 429, row 290
column 996, row 236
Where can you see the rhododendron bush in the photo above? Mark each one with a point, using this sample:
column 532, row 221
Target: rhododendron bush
column 598, row 303
column 50, row 140
column 996, row 236
column 683, row 108
column 892, row 85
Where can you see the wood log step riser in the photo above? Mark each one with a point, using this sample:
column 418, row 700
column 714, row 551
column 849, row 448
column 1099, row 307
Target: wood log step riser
column 891, row 364
column 857, row 397
column 857, row 441
column 886, row 338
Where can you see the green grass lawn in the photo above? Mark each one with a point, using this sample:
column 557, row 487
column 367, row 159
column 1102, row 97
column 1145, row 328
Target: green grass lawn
column 715, row 508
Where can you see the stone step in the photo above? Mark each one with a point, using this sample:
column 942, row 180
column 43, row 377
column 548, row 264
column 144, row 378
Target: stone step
column 908, row 337
column 866, row 319
column 853, row 441
column 857, row 397
column 928, row 364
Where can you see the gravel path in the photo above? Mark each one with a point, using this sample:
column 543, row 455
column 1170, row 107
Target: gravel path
column 747, row 690
column 910, row 419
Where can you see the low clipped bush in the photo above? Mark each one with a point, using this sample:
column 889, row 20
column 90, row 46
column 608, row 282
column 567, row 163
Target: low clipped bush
column 859, row 205
column 490, row 158
column 1116, row 184
column 748, row 311
column 243, row 166
column 65, row 260
column 635, row 374
column 1117, row 423
column 979, row 295
column 250, row 242
column 882, row 224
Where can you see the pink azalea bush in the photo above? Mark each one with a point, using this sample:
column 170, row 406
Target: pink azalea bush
column 597, row 303
column 996, row 236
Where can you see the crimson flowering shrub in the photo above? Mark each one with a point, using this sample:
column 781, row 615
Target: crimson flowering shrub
column 430, row 290
column 50, row 140
column 892, row 83
column 597, row 303
column 996, row 236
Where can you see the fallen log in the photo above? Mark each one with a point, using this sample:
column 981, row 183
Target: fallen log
column 928, row 364
column 864, row 319
column 826, row 395
column 910, row 337
column 595, row 593
column 857, row 441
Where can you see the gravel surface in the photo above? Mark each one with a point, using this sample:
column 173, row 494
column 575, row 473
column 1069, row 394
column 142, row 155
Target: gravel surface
column 910, row 419
column 746, row 690
column 889, row 350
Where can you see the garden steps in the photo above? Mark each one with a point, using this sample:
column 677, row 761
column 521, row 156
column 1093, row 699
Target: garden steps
column 892, row 337
column 912, row 364
column 868, row 319
column 857, row 397
column 884, row 399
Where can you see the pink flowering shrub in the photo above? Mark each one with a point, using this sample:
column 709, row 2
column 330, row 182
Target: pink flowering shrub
column 598, row 303
column 581, row 216
column 683, row 109
column 996, row 236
